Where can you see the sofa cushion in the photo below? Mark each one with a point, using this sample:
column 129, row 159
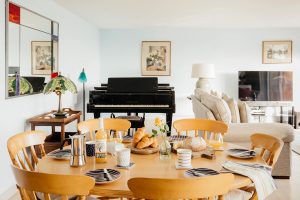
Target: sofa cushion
column 234, row 109
column 245, row 112
column 200, row 110
column 242, row 132
column 217, row 106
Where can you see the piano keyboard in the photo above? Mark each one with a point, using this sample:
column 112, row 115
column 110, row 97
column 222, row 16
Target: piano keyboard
column 132, row 106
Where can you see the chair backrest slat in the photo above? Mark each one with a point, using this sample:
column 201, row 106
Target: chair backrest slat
column 197, row 125
column 28, row 162
column 270, row 147
column 110, row 124
column 20, row 159
column 165, row 189
column 33, row 155
column 47, row 196
column 63, row 185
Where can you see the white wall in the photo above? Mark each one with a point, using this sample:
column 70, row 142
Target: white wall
column 79, row 47
column 230, row 50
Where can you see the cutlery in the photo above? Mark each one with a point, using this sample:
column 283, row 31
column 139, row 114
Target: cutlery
column 198, row 174
column 107, row 174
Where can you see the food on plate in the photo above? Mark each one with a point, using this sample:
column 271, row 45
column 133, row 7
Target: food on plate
column 143, row 140
column 198, row 144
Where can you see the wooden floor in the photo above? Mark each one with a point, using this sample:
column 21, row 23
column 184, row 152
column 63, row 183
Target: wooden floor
column 289, row 189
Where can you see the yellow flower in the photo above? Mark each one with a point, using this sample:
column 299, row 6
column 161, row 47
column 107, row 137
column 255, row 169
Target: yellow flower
column 157, row 121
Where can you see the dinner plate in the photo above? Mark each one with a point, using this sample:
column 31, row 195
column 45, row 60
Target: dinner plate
column 104, row 176
column 173, row 138
column 63, row 154
column 200, row 172
column 241, row 153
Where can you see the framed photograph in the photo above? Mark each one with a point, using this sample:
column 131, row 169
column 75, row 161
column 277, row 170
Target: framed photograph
column 156, row 58
column 41, row 57
column 277, row 52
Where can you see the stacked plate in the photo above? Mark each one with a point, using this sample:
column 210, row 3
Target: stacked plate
column 184, row 158
column 103, row 176
column 199, row 172
column 241, row 153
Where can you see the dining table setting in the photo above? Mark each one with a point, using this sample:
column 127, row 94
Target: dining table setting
column 173, row 157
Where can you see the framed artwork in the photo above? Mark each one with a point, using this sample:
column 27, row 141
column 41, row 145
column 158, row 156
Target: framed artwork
column 277, row 52
column 41, row 57
column 156, row 58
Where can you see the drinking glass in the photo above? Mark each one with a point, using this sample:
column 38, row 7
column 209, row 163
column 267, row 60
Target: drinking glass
column 216, row 140
column 117, row 136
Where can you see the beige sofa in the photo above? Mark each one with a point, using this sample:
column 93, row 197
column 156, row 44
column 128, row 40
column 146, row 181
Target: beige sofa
column 210, row 106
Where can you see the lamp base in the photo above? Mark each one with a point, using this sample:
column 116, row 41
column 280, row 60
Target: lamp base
column 203, row 84
column 60, row 114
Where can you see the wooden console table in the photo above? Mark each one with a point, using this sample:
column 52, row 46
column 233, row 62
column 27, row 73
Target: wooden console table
column 48, row 119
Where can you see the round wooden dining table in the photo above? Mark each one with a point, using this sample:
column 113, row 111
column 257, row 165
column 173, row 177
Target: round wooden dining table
column 149, row 166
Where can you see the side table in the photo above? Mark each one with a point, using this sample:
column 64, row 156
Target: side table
column 48, row 119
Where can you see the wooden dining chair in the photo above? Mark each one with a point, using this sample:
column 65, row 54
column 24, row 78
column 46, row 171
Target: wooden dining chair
column 195, row 125
column 270, row 150
column 60, row 185
column 270, row 147
column 17, row 147
column 185, row 188
column 110, row 124
column 18, row 144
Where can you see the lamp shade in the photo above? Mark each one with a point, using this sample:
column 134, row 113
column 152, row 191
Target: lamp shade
column 201, row 70
column 82, row 77
column 60, row 84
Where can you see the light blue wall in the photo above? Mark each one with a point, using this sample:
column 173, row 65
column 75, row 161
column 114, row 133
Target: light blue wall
column 230, row 50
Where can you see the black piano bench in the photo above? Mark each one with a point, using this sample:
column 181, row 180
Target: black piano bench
column 135, row 120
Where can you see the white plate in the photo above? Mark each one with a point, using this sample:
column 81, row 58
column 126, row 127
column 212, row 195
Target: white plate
column 241, row 153
column 179, row 166
column 101, row 178
column 64, row 154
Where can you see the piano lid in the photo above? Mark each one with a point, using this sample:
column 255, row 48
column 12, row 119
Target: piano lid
column 132, row 85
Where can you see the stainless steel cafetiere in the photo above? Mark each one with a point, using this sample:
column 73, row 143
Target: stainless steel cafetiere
column 78, row 154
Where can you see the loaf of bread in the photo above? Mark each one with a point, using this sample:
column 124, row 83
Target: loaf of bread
column 139, row 134
column 145, row 142
column 154, row 143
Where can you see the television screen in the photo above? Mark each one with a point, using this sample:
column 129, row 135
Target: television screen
column 266, row 85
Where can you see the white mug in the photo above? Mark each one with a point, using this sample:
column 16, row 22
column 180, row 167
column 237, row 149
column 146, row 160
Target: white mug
column 123, row 157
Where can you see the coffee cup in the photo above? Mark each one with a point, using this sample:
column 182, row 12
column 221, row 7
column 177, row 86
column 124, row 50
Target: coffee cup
column 90, row 148
column 123, row 157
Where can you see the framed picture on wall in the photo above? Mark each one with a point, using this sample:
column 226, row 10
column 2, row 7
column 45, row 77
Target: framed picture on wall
column 41, row 57
column 277, row 52
column 156, row 58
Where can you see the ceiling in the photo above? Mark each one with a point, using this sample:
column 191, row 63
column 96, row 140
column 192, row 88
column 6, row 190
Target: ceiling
column 121, row 14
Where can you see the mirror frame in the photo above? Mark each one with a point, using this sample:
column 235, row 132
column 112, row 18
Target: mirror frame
column 54, row 38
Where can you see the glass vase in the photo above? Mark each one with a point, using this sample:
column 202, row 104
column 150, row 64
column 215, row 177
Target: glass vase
column 164, row 148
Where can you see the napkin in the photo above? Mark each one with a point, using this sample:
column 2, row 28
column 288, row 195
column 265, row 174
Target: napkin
column 259, row 174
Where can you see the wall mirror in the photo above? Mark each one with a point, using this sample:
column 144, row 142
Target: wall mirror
column 31, row 50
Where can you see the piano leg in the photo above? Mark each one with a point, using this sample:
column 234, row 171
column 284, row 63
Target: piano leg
column 169, row 121
column 97, row 115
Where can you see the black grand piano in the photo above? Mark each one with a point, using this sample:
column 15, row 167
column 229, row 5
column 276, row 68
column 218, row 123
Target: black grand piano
column 133, row 95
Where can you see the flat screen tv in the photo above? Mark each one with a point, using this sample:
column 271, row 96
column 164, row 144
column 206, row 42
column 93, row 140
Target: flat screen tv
column 266, row 85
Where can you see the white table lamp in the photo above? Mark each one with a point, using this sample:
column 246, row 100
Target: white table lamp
column 204, row 72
